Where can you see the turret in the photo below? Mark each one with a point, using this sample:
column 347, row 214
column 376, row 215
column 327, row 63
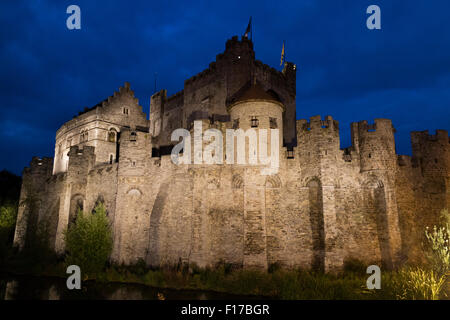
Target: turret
column 156, row 112
column 256, row 109
column 80, row 161
column 376, row 144
column 135, row 151
column 431, row 152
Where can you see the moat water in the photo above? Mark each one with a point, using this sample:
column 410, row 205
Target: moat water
column 14, row 287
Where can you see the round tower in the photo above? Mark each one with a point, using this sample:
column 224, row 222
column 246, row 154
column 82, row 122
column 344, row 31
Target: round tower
column 257, row 109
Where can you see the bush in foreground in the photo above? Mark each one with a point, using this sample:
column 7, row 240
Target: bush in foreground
column 413, row 284
column 438, row 246
column 89, row 241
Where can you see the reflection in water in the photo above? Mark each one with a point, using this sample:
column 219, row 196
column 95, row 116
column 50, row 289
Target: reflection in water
column 44, row 288
column 11, row 289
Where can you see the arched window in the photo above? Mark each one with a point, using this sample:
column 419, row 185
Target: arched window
column 112, row 135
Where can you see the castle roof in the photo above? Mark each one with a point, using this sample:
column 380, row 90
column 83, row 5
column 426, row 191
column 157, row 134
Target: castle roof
column 254, row 91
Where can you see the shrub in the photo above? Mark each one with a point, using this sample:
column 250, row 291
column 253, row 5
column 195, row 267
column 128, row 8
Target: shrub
column 8, row 215
column 438, row 248
column 89, row 241
column 413, row 284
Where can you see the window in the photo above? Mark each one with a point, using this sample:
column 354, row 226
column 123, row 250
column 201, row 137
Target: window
column 235, row 123
column 133, row 163
column 254, row 122
column 125, row 111
column 133, row 136
column 84, row 136
column 111, row 159
column 112, row 135
column 273, row 123
column 290, row 154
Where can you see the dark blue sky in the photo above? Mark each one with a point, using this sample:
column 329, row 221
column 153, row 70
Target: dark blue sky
column 48, row 73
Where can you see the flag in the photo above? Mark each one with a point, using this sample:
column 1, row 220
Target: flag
column 282, row 55
column 249, row 28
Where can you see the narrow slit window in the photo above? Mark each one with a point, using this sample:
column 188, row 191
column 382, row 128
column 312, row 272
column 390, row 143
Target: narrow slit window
column 273, row 123
column 254, row 122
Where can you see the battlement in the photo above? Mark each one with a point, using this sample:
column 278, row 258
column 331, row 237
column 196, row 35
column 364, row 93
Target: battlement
column 424, row 136
column 379, row 125
column 175, row 96
column 162, row 94
column 316, row 123
column 234, row 42
column 38, row 163
column 76, row 151
column 266, row 68
column 205, row 73
column 39, row 167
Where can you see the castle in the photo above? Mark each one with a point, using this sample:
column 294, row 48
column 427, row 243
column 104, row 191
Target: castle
column 325, row 204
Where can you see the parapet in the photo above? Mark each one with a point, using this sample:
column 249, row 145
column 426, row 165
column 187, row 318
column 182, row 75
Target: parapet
column 379, row 125
column 205, row 73
column 39, row 166
column 316, row 123
column 76, row 151
column 424, row 136
column 38, row 163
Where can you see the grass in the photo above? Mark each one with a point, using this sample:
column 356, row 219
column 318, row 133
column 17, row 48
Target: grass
column 285, row 284
column 350, row 284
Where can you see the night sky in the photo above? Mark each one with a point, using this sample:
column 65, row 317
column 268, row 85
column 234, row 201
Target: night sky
column 48, row 73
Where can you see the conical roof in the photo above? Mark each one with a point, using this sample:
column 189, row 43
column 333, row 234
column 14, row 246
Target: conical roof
column 255, row 92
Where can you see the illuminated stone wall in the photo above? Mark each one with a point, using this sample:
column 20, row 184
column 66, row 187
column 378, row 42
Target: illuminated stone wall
column 325, row 205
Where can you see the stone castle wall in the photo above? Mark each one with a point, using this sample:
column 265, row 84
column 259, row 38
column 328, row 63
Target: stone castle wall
column 325, row 204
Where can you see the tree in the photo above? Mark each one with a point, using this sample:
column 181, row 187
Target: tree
column 89, row 241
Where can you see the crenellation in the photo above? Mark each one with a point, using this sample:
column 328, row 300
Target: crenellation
column 321, row 206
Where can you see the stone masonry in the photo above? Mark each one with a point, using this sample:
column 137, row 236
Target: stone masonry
column 325, row 205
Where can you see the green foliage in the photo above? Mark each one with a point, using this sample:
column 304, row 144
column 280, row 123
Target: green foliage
column 437, row 246
column 8, row 216
column 355, row 266
column 89, row 241
column 412, row 284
